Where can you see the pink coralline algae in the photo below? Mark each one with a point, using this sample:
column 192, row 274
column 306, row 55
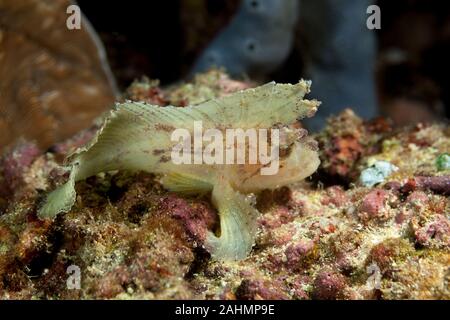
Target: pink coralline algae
column 435, row 233
column 437, row 184
column 259, row 289
column 300, row 254
column 329, row 285
column 14, row 163
column 373, row 204
column 417, row 199
column 197, row 218
column 335, row 195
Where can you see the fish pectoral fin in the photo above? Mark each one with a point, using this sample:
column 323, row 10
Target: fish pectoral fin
column 237, row 225
column 185, row 183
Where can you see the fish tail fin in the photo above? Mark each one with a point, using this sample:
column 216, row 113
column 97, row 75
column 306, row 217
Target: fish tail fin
column 59, row 200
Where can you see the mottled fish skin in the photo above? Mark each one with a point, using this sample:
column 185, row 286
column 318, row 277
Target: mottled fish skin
column 137, row 136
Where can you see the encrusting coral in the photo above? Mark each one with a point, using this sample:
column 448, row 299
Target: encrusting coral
column 327, row 237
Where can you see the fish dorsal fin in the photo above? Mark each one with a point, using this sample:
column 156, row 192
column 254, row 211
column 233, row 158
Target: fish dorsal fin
column 260, row 107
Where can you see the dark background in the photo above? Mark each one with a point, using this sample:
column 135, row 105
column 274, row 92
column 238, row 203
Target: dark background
column 161, row 39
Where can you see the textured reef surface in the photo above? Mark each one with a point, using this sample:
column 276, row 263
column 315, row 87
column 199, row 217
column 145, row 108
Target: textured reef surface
column 332, row 236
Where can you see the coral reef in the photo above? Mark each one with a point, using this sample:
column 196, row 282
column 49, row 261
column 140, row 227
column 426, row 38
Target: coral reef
column 329, row 237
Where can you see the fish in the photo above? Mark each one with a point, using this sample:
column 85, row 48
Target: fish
column 137, row 136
